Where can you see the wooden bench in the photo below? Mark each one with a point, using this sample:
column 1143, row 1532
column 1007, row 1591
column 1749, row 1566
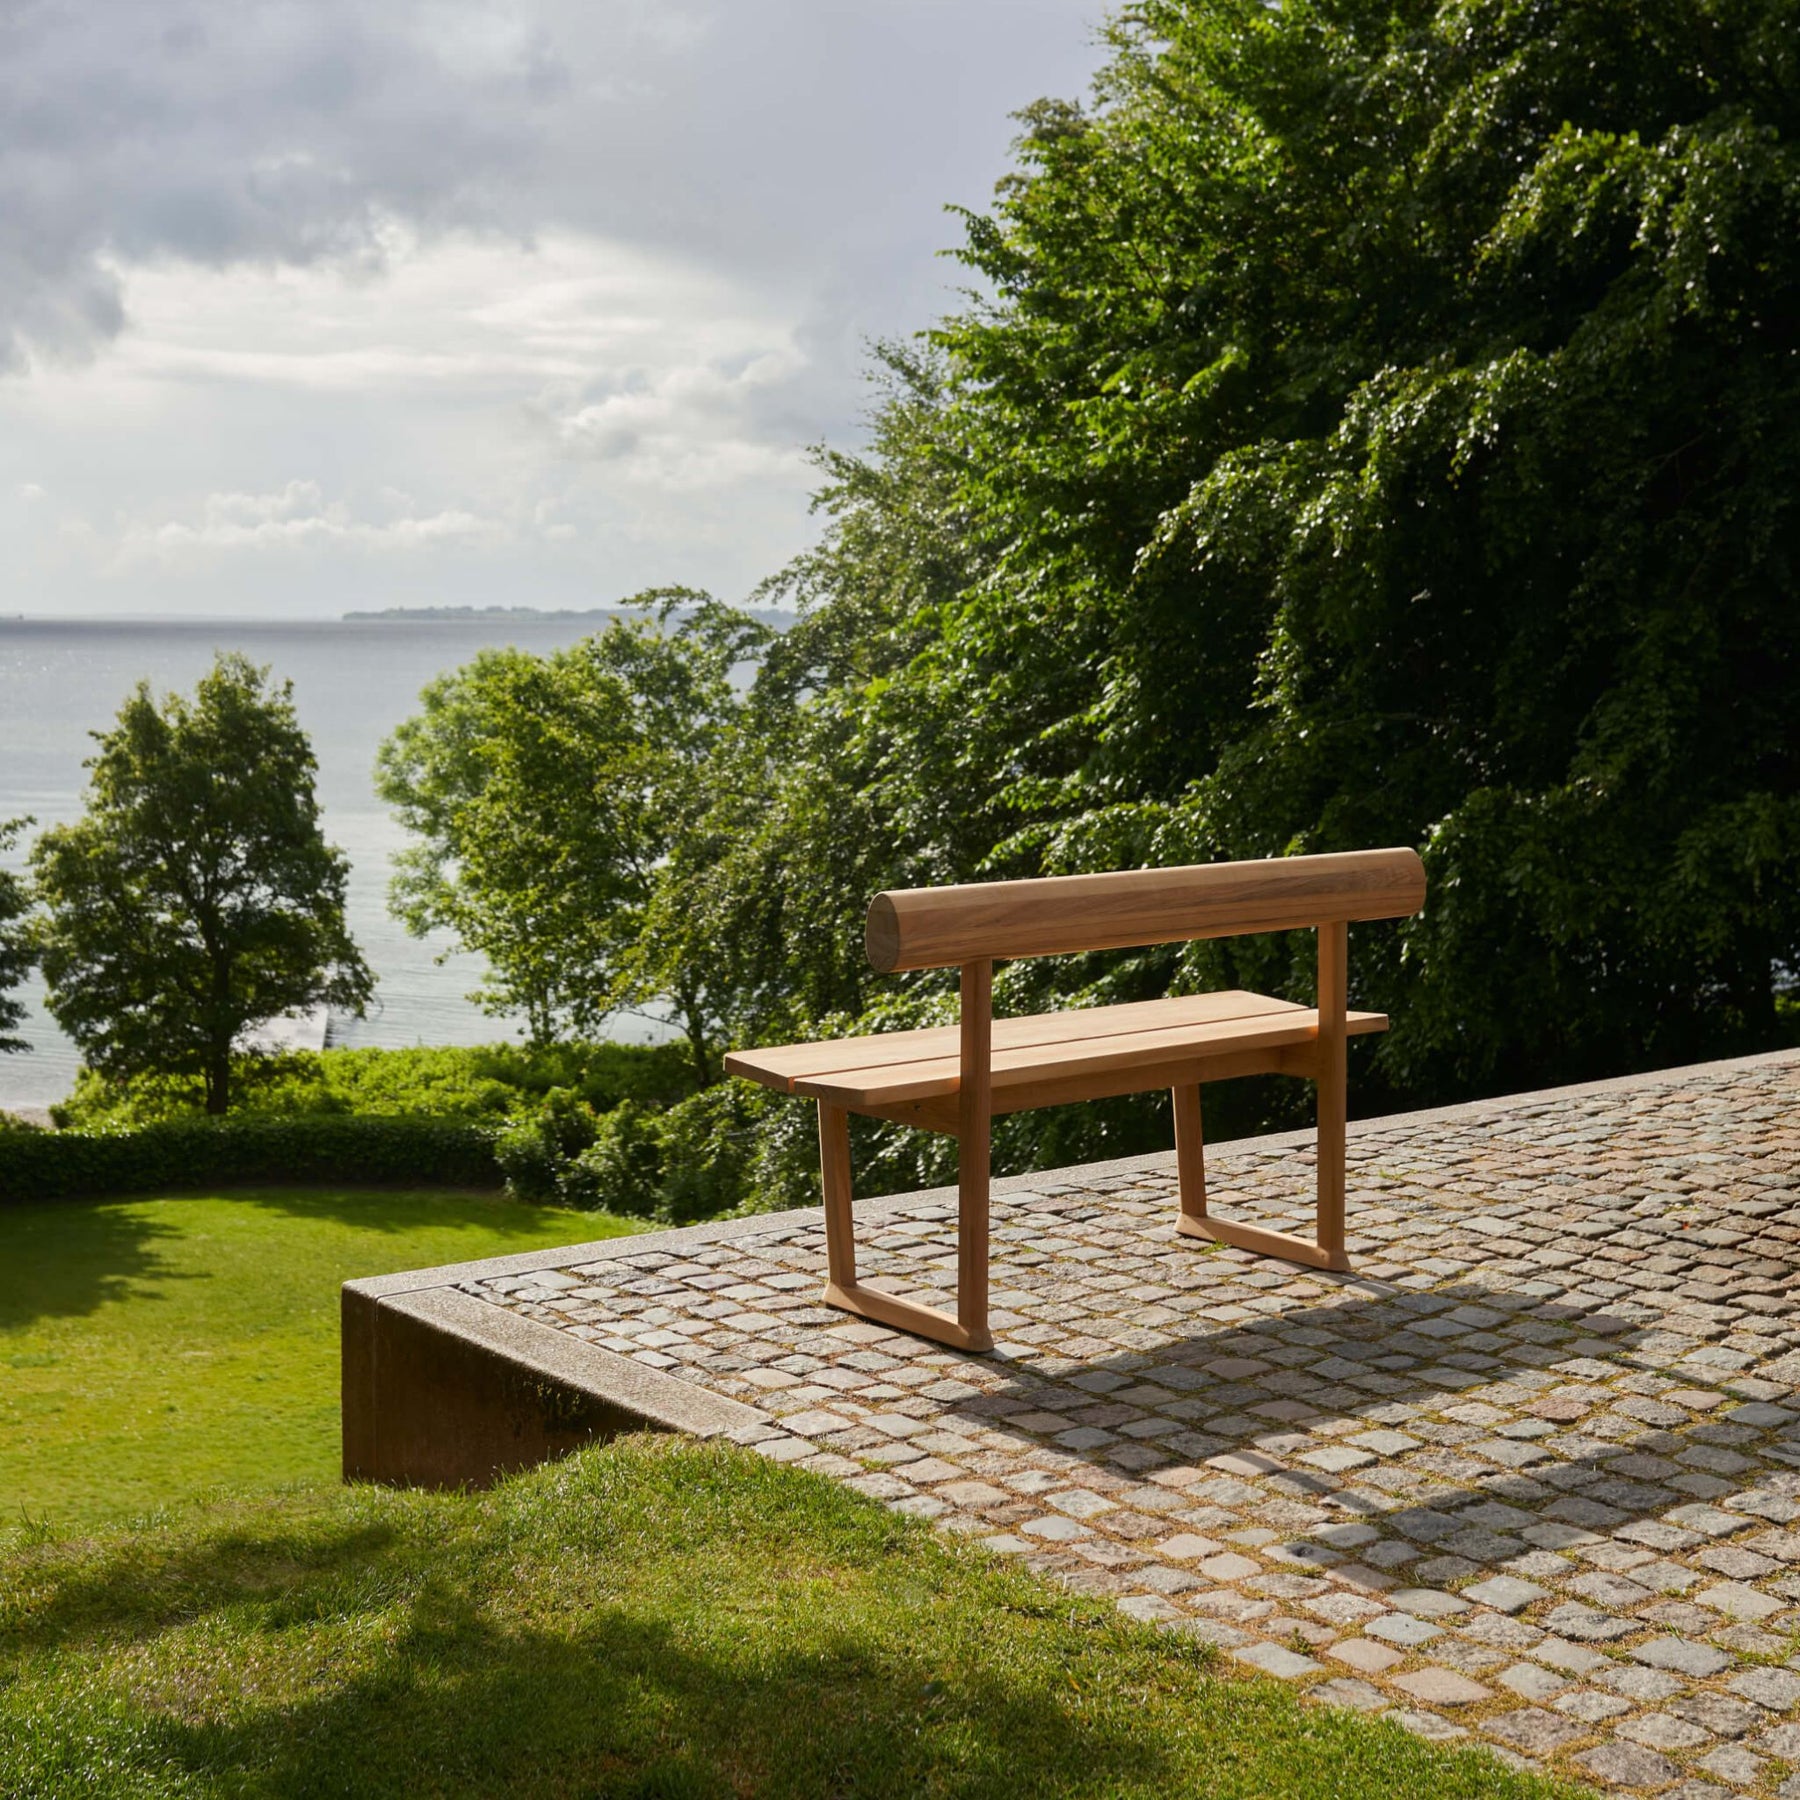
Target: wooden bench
column 957, row 1078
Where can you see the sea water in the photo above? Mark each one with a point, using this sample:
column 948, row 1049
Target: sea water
column 354, row 681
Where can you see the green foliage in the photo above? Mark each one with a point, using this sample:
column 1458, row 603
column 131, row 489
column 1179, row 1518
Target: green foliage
column 1382, row 425
column 828, row 789
column 652, row 1618
column 486, row 1081
column 548, row 791
column 521, row 1114
column 1392, row 417
column 620, row 1167
column 197, row 897
column 1373, row 424
column 727, row 1148
column 726, row 1144
column 534, row 1152
column 16, row 957
column 207, row 1151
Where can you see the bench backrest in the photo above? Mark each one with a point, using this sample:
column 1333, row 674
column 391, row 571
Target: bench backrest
column 931, row 928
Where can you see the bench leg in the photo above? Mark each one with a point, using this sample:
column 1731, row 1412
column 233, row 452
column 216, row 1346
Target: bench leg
column 1190, row 1151
column 1333, row 1090
column 834, row 1178
column 842, row 1289
column 1195, row 1221
column 974, row 1135
column 1329, row 1072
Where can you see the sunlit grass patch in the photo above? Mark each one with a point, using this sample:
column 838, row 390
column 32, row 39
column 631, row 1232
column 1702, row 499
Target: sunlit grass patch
column 151, row 1349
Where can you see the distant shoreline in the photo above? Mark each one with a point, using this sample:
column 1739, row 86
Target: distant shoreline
column 392, row 615
column 483, row 615
column 458, row 615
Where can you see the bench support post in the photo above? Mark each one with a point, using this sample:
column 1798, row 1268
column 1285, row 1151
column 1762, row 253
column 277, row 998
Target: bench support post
column 1190, row 1151
column 1327, row 1064
column 968, row 1329
column 974, row 1128
column 834, row 1177
column 1333, row 1089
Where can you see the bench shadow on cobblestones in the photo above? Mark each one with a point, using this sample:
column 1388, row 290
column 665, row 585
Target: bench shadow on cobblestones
column 1117, row 1409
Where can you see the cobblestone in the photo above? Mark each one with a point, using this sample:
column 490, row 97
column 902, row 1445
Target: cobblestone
column 1529, row 1474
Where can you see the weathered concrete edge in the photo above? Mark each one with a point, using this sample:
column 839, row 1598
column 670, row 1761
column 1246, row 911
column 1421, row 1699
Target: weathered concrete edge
column 442, row 1389
column 647, row 1394
column 725, row 1231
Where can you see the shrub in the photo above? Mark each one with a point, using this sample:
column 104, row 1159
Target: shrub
column 528, row 1160
column 711, row 1147
column 535, row 1153
column 203, row 1152
column 622, row 1169
column 483, row 1081
column 731, row 1148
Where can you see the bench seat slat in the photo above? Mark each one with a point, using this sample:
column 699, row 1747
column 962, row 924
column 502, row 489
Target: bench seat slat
column 1018, row 1065
column 780, row 1066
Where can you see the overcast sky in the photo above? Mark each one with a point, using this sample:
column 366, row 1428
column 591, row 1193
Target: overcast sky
column 315, row 305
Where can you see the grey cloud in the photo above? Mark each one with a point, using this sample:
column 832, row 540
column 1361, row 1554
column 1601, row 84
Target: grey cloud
column 252, row 132
column 809, row 145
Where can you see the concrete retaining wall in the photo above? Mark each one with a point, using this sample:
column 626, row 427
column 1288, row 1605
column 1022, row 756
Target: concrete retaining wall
column 443, row 1390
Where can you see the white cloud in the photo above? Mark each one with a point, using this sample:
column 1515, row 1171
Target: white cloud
column 572, row 401
column 686, row 426
column 616, row 259
column 296, row 518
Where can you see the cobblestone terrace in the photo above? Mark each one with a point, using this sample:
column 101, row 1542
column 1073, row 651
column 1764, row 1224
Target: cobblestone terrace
column 1530, row 1475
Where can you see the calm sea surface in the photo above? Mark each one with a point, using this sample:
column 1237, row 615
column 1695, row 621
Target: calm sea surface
column 353, row 683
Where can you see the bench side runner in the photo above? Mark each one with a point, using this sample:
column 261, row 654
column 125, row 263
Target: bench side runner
column 946, row 1081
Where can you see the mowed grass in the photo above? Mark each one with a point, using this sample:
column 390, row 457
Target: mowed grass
column 150, row 1349
column 653, row 1618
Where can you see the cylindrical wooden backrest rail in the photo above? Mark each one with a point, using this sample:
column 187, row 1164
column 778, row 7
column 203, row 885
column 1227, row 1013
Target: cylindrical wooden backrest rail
column 929, row 928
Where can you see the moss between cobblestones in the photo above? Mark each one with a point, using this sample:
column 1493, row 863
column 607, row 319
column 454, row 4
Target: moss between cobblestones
column 654, row 1618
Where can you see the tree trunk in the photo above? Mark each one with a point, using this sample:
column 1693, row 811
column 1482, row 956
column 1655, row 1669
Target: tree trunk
column 693, row 1025
column 218, row 1080
column 1755, row 994
column 218, row 1050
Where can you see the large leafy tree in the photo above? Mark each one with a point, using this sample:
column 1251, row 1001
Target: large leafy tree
column 1383, row 425
column 15, row 940
column 197, row 897
column 549, row 793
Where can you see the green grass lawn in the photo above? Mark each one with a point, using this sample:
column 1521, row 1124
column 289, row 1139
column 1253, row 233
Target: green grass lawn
column 655, row 1618
column 153, row 1348
column 651, row 1619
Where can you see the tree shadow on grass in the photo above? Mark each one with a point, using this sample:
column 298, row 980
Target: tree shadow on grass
column 393, row 1210
column 622, row 1705
column 67, row 1259
column 460, row 1699
column 154, row 1584
column 469, row 1695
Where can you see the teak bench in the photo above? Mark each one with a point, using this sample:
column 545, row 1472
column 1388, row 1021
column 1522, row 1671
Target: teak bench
column 957, row 1078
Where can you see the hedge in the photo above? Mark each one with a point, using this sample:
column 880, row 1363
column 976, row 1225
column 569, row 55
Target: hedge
column 202, row 1152
column 474, row 1081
